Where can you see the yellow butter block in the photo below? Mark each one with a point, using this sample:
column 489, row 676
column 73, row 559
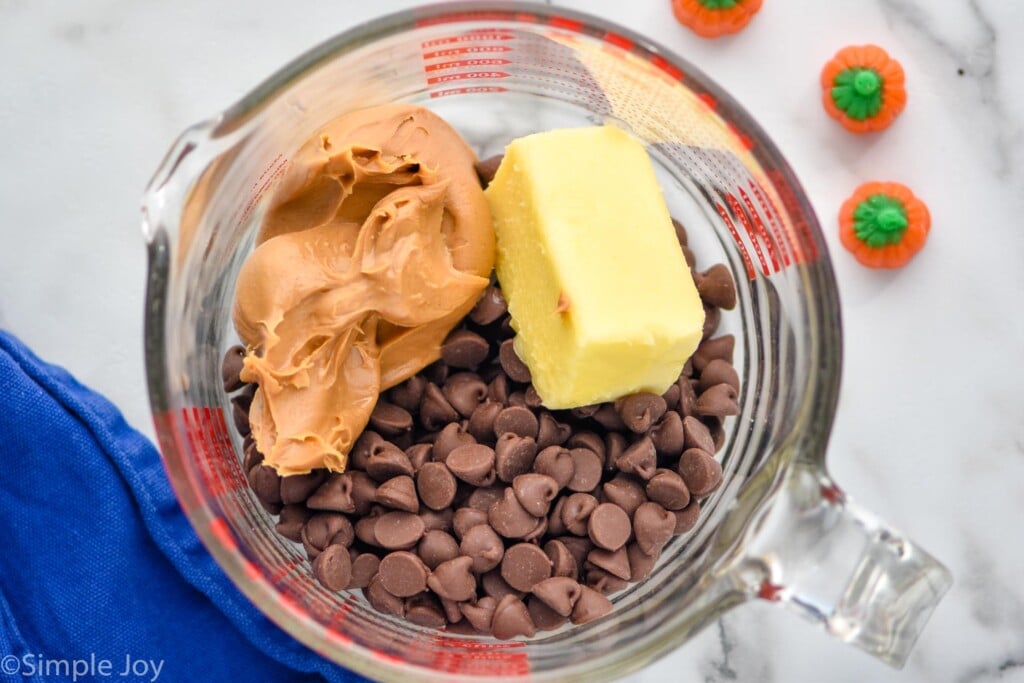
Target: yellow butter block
column 601, row 298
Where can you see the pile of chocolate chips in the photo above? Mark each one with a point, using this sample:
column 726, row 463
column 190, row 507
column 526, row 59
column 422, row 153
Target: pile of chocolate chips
column 467, row 505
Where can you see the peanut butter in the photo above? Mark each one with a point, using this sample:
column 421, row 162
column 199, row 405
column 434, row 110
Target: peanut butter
column 378, row 241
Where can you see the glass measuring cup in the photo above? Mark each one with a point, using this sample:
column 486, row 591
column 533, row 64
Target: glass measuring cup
column 778, row 529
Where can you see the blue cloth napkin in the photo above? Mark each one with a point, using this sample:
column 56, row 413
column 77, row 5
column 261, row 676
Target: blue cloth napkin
column 100, row 572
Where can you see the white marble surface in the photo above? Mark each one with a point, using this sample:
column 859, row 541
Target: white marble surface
column 930, row 431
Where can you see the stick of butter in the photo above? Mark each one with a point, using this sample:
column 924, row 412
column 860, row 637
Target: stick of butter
column 601, row 298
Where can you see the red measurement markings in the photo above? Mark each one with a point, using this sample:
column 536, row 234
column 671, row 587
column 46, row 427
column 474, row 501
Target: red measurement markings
column 207, row 436
column 760, row 230
column 465, row 63
column 737, row 239
column 469, row 50
column 272, row 172
column 619, row 41
column 801, row 237
column 466, row 91
column 466, row 76
column 469, row 657
column 674, row 72
column 749, row 229
column 468, row 37
column 769, row 209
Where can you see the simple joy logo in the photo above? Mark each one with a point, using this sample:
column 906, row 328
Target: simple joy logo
column 35, row 665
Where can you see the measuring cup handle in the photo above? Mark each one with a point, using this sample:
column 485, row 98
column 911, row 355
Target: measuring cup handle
column 836, row 564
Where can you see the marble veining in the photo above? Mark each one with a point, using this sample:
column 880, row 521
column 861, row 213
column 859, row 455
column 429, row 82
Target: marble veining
column 930, row 429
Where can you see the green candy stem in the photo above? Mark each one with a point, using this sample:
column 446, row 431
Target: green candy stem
column 719, row 4
column 858, row 92
column 880, row 220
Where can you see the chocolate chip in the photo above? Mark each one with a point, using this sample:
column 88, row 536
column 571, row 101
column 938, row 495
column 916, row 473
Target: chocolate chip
column 667, row 489
column 514, row 455
column 696, row 435
column 495, row 586
column 364, row 568
column 680, row 232
column 667, row 435
column 559, row 593
column 464, row 349
column 266, row 484
column 639, row 459
column 640, row 563
column 535, row 492
column 450, row 438
column 625, row 492
column 518, row 420
column 296, row 488
column 497, row 389
column 479, row 613
column 608, row 526
column 687, row 518
column 419, row 454
column 398, row 530
column 399, row 493
column 615, row 562
column 484, row 546
column 436, row 547
column 609, row 418
column 576, row 512
column 578, row 547
column 701, row 472
column 436, row 372
column 604, row 581
column 293, row 518
column 640, row 411
column 466, row 518
column 615, row 445
column 710, row 349
column 716, row 287
column 583, row 412
column 555, row 524
column 368, row 442
column 365, row 530
column 240, row 416
column 334, row 494
column 436, row 519
column 403, row 574
column 557, row 463
column 589, row 606
column 389, row 419
column 465, row 391
column 253, row 456
column 691, row 260
column 562, row 561
column 511, row 619
column 524, row 565
column 333, row 568
column 435, row 410
column 653, row 526
column 485, row 170
column 509, row 518
column 513, row 366
column 388, row 461
column 542, row 616
column 481, row 422
column 671, row 397
column 551, row 432
column 381, row 600
column 482, row 498
column 425, row 610
column 231, row 367
column 717, row 429
column 718, row 401
column 452, row 580
column 712, row 318
column 245, row 397
column 532, row 398
column 687, row 397
column 473, row 464
column 324, row 529
column 587, row 467
column 409, row 393
column 436, row 485
column 490, row 307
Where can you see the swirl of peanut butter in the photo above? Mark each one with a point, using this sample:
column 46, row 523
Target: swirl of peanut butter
column 379, row 240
